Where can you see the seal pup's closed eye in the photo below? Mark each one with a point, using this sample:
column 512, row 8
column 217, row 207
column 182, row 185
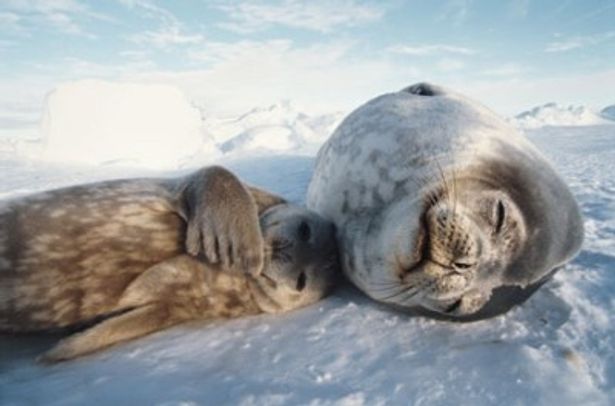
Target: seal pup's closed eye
column 120, row 251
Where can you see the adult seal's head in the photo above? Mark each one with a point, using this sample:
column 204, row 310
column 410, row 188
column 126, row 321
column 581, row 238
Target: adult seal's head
column 441, row 207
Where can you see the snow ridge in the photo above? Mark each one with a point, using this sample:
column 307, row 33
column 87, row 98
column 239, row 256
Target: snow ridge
column 553, row 114
column 156, row 126
column 281, row 127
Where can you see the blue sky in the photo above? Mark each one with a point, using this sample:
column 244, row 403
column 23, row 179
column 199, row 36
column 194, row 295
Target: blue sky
column 229, row 56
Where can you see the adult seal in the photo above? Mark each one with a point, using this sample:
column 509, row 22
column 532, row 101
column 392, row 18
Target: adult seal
column 443, row 208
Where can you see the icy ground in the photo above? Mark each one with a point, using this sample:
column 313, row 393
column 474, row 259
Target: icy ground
column 558, row 348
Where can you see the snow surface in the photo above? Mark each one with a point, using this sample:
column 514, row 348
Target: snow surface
column 553, row 114
column 558, row 348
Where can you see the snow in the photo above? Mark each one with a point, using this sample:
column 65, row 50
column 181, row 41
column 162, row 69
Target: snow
column 553, row 114
column 154, row 126
column 90, row 121
column 558, row 348
column 279, row 127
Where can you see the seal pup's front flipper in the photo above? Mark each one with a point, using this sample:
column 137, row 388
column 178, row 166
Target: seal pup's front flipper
column 222, row 216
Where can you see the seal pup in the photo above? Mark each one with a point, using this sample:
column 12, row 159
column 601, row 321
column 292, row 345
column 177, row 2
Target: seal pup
column 442, row 208
column 116, row 257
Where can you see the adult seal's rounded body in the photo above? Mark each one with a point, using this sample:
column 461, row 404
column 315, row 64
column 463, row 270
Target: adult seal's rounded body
column 443, row 208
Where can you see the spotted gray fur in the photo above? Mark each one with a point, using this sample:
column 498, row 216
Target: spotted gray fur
column 396, row 162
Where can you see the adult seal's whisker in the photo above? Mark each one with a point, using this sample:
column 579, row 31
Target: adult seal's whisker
column 423, row 170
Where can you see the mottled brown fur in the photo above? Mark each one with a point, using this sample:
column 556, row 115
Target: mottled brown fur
column 72, row 252
column 119, row 250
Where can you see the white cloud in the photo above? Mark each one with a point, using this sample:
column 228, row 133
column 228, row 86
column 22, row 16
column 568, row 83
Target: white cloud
column 519, row 8
column 317, row 15
column 165, row 37
column 71, row 68
column 511, row 96
column 11, row 25
column 239, row 76
column 4, row 44
column 76, row 68
column 151, row 10
column 221, row 52
column 136, row 54
column 10, row 21
column 43, row 6
column 66, row 24
column 456, row 11
column 449, row 64
column 323, row 77
column 170, row 31
column 281, row 50
column 60, row 14
column 571, row 43
column 509, row 69
column 432, row 49
column 233, row 77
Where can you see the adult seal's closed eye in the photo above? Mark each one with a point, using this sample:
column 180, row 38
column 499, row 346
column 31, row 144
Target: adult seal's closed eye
column 442, row 208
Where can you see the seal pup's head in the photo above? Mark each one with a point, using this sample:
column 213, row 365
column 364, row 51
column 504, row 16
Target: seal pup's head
column 301, row 264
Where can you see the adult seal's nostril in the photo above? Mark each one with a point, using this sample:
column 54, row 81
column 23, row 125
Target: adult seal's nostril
column 424, row 89
column 301, row 281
